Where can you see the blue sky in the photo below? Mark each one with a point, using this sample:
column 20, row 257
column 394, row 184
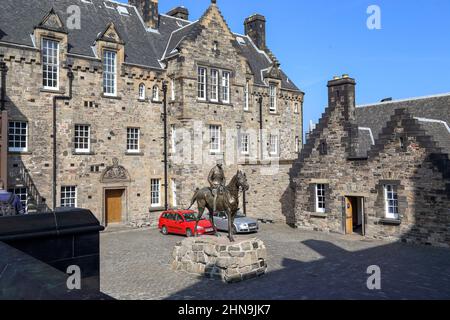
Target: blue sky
column 315, row 40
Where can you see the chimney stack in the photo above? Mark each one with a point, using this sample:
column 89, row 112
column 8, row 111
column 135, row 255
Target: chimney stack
column 179, row 12
column 255, row 28
column 341, row 94
column 148, row 10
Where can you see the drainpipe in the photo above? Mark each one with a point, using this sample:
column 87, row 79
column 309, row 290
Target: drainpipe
column 4, row 126
column 55, row 167
column 166, row 183
column 261, row 147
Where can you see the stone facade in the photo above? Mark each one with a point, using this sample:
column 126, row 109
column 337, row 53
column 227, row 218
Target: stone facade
column 404, row 156
column 217, row 258
column 210, row 44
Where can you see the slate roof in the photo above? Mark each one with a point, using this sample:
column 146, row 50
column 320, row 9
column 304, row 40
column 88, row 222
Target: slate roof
column 432, row 112
column 143, row 46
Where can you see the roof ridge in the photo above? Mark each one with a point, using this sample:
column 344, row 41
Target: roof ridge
column 404, row 100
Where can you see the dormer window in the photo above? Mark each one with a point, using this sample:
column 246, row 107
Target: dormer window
column 273, row 98
column 50, row 64
column 109, row 73
column 142, row 91
column 155, row 93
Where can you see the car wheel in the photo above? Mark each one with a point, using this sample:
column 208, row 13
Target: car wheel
column 189, row 233
column 164, row 231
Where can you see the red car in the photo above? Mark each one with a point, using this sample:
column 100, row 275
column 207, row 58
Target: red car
column 183, row 222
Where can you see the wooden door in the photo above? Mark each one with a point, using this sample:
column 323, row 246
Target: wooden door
column 113, row 199
column 348, row 216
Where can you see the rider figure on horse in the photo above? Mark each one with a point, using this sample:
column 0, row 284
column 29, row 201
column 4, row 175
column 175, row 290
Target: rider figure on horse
column 216, row 179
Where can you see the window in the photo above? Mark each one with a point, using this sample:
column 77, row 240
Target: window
column 142, row 91
column 323, row 148
column 391, row 198
column 226, row 87
column 214, row 85
column 273, row 98
column 297, row 145
column 155, row 93
column 174, row 193
column 109, row 73
column 133, row 140
column 273, row 139
column 82, row 138
column 246, row 96
column 18, row 136
column 50, row 64
column 22, row 194
column 296, row 107
column 320, row 198
column 245, row 143
column 214, row 138
column 172, row 89
column 201, row 83
column 69, row 196
column 174, row 138
column 155, row 192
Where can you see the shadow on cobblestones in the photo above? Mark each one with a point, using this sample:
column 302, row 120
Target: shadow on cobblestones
column 342, row 274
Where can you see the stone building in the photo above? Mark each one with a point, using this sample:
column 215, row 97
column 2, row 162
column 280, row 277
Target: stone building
column 86, row 90
column 381, row 170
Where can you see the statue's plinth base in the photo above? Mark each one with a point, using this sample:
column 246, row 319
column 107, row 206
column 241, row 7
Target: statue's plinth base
column 218, row 258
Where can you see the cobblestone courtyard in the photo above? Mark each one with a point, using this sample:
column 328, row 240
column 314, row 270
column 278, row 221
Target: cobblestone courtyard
column 302, row 265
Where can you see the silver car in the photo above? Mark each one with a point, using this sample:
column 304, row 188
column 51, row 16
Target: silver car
column 242, row 224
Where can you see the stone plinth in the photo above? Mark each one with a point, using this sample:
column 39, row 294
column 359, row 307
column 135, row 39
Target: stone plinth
column 218, row 258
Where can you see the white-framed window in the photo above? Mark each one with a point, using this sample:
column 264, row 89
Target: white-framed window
column 226, row 86
column 18, row 136
column 297, row 144
column 245, row 143
column 172, row 89
column 214, row 85
column 50, row 64
column 155, row 192
column 173, row 129
column 174, row 193
column 273, row 98
column 273, row 145
column 82, row 139
column 296, row 110
column 155, row 93
column 22, row 194
column 320, row 198
column 214, row 138
column 201, row 92
column 247, row 96
column 142, row 91
column 133, row 140
column 391, row 200
column 69, row 196
column 109, row 73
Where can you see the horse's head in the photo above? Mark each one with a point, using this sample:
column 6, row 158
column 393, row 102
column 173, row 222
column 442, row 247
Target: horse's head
column 242, row 180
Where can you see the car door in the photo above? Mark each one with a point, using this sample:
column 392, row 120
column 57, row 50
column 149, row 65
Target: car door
column 171, row 222
column 179, row 224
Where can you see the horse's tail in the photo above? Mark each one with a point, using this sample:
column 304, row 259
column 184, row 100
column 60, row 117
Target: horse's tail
column 194, row 198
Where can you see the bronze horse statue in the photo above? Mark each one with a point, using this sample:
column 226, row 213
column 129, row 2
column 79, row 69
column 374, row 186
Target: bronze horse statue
column 227, row 201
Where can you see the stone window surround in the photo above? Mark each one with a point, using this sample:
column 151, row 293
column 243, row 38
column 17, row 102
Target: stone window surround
column 25, row 150
column 155, row 182
column 57, row 64
column 273, row 92
column 142, row 92
column 207, row 85
column 312, row 198
column 380, row 203
column 116, row 68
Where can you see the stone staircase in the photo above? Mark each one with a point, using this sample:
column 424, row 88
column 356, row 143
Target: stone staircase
column 36, row 203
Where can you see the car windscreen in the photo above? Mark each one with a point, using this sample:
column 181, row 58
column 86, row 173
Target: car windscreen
column 189, row 217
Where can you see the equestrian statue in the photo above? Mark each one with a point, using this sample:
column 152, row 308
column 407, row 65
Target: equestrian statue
column 220, row 197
